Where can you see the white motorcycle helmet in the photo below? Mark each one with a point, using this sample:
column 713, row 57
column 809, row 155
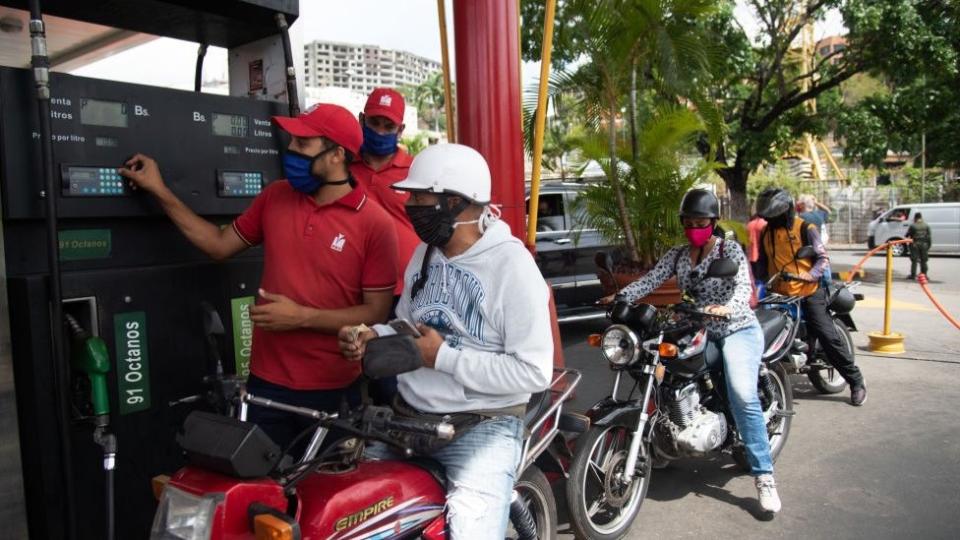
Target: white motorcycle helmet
column 453, row 169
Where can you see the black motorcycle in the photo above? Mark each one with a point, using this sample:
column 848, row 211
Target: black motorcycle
column 677, row 409
column 781, row 318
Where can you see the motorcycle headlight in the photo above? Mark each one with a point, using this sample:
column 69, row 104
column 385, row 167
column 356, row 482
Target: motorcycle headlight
column 619, row 345
column 183, row 516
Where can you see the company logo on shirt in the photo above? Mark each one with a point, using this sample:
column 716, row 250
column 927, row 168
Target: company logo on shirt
column 385, row 100
column 338, row 242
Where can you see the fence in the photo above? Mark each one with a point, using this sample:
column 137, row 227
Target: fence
column 853, row 208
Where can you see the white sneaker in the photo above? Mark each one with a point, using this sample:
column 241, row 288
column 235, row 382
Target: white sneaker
column 767, row 493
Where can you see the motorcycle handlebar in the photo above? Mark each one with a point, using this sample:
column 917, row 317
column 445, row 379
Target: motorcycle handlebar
column 270, row 404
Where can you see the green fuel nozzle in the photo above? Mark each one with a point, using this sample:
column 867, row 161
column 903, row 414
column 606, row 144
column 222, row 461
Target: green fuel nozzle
column 90, row 356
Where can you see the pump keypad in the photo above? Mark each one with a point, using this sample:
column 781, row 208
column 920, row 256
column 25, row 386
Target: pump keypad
column 93, row 182
column 239, row 183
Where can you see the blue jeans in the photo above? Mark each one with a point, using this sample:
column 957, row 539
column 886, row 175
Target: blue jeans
column 742, row 351
column 481, row 467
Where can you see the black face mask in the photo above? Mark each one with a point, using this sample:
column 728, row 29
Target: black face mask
column 434, row 224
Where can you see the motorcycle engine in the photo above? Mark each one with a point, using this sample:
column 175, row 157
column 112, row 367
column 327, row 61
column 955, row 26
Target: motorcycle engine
column 696, row 430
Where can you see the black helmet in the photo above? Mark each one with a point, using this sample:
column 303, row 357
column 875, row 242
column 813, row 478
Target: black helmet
column 700, row 203
column 842, row 300
column 775, row 202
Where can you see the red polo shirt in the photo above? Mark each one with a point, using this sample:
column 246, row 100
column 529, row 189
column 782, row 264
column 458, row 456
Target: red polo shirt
column 318, row 256
column 379, row 185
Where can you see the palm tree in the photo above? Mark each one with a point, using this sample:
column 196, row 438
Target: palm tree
column 429, row 96
column 654, row 44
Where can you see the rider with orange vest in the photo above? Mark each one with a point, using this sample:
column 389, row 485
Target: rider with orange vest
column 783, row 236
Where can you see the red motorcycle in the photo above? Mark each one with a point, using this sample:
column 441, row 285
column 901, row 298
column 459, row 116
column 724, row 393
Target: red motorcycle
column 240, row 485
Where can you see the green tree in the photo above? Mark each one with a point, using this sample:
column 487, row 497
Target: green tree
column 920, row 96
column 430, row 100
column 763, row 87
column 617, row 42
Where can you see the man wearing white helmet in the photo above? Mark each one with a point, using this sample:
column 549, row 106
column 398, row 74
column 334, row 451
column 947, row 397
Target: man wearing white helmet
column 481, row 305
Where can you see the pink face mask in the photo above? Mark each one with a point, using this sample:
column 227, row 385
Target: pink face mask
column 698, row 236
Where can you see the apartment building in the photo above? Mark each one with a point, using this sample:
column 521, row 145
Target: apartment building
column 362, row 68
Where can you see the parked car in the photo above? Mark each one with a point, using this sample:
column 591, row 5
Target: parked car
column 943, row 218
column 565, row 251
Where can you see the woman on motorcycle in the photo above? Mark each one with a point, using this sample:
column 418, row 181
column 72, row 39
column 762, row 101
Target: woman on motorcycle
column 739, row 335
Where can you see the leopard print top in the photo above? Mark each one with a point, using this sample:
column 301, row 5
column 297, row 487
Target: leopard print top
column 731, row 292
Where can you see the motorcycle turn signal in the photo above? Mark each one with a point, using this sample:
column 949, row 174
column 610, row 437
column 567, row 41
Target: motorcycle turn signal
column 668, row 350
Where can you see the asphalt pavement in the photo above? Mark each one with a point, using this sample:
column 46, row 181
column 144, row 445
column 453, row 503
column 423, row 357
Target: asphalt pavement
column 889, row 469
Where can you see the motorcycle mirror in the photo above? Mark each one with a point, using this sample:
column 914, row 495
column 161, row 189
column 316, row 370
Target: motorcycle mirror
column 390, row 356
column 213, row 331
column 722, row 268
column 806, row 252
column 604, row 261
column 212, row 324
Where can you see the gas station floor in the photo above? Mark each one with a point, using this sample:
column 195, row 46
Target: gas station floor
column 886, row 470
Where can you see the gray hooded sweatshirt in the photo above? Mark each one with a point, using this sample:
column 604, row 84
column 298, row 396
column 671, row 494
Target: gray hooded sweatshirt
column 491, row 305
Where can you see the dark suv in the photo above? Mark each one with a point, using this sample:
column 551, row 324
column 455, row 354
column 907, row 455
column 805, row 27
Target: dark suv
column 565, row 251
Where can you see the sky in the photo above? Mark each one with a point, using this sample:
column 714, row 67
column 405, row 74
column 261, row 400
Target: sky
column 409, row 25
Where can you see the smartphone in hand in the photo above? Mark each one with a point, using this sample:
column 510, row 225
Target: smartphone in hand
column 404, row 327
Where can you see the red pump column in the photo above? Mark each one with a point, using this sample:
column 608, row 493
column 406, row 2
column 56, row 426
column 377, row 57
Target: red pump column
column 487, row 48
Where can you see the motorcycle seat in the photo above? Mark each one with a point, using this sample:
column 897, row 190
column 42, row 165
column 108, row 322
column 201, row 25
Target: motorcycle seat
column 772, row 322
column 536, row 407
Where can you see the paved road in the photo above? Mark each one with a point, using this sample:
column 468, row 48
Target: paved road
column 887, row 470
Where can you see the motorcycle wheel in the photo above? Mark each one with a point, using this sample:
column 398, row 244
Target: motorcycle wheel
column 778, row 427
column 600, row 508
column 534, row 488
column 828, row 380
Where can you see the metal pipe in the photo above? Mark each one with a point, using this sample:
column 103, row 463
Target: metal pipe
column 447, row 85
column 293, row 101
column 198, row 74
column 59, row 369
column 540, row 123
column 887, row 292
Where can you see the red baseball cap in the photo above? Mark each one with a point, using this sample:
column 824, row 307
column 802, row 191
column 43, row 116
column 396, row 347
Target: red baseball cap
column 385, row 102
column 325, row 120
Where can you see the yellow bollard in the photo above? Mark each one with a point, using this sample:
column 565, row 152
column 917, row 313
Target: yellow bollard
column 887, row 342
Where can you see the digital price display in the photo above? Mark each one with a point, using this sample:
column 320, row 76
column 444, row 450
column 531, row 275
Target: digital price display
column 92, row 182
column 230, row 125
column 239, row 183
column 95, row 112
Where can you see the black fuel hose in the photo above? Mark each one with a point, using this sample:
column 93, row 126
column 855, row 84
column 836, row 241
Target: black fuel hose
column 60, row 372
column 111, row 506
column 293, row 101
column 198, row 74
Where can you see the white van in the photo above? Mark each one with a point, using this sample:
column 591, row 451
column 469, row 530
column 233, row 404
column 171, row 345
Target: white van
column 943, row 218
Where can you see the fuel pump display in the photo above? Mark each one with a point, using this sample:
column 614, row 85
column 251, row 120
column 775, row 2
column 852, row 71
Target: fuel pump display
column 94, row 112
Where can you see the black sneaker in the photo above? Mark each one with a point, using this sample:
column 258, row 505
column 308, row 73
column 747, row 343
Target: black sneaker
column 911, row 278
column 858, row 396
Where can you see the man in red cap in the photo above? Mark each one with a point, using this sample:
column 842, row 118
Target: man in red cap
column 383, row 163
column 329, row 261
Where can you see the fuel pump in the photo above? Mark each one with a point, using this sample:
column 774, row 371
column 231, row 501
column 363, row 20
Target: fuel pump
column 81, row 248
